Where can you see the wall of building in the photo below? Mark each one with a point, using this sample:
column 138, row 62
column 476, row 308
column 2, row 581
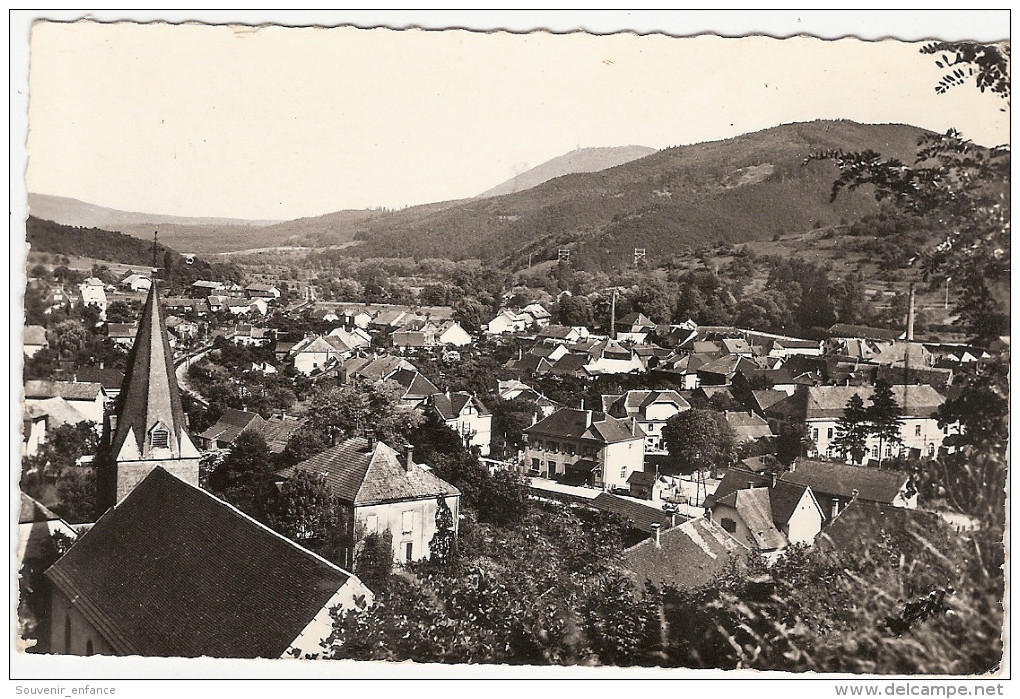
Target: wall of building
column 410, row 522
column 805, row 523
column 620, row 460
column 131, row 473
column 352, row 595
column 923, row 434
column 730, row 520
column 71, row 634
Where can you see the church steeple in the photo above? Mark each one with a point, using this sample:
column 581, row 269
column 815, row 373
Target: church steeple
column 149, row 428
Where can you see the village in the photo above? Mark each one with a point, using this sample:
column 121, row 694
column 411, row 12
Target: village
column 719, row 445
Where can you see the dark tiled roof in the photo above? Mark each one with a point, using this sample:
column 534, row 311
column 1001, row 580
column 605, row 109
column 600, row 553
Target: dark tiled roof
column 688, row 556
column 149, row 393
column 111, row 379
column 829, row 401
column 68, row 390
column 230, row 425
column 34, row 511
column 121, row 330
column 278, row 431
column 830, row 478
column 863, row 331
column 755, row 508
column 874, row 520
column 640, row 516
column 361, row 477
column 174, row 572
column 785, row 497
column 570, row 364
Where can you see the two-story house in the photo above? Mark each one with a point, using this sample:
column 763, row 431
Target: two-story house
column 467, row 416
column 651, row 409
column 384, row 490
column 585, row 447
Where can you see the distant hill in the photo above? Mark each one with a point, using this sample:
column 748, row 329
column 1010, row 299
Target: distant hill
column 751, row 187
column 580, row 160
column 73, row 212
column 51, row 237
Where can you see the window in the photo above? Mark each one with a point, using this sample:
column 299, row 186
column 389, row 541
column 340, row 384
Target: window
column 536, row 464
column 931, row 449
column 888, row 450
column 408, row 551
column 371, row 524
column 874, row 451
column 552, row 468
column 917, row 430
column 160, row 437
column 407, row 521
column 814, row 433
column 828, row 433
column 729, row 525
column 623, row 472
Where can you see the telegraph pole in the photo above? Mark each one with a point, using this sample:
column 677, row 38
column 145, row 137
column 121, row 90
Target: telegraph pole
column 612, row 316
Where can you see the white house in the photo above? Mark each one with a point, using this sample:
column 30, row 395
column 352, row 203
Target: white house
column 507, row 322
column 651, row 409
column 467, row 416
column 93, row 293
column 318, row 353
column 452, row 334
column 582, row 447
column 136, row 282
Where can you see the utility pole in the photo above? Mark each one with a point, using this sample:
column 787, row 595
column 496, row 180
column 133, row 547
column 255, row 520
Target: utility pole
column 948, row 279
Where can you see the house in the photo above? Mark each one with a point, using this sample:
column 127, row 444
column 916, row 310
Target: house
column 278, row 430
column 40, row 417
column 92, row 293
column 682, row 368
column 203, row 289
column 833, row 484
column 820, row 408
column 34, row 339
column 216, row 303
column 122, row 334
column 375, row 368
column 417, row 388
column 384, row 490
column 880, row 521
column 610, row 357
column 355, row 338
column 111, row 379
column 89, row 399
column 769, row 518
column 555, row 334
column 538, row 315
column 421, row 338
column 318, row 353
column 721, row 371
column 56, row 299
column 247, row 335
column 584, row 447
column 451, row 334
column 180, row 304
column 507, row 322
column 747, row 427
column 262, row 291
column 651, row 409
column 467, row 416
column 686, row 557
column 136, row 282
column 172, row 571
column 635, row 326
column 228, row 428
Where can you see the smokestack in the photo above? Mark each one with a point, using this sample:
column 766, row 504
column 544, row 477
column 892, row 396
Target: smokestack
column 910, row 314
column 655, row 531
column 612, row 317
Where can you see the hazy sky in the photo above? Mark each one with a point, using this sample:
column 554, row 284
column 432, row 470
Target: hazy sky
column 282, row 122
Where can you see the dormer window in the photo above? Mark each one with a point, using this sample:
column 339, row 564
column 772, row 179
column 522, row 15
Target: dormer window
column 159, row 438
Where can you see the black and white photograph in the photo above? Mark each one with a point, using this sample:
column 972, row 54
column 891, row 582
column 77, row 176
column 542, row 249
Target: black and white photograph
column 577, row 345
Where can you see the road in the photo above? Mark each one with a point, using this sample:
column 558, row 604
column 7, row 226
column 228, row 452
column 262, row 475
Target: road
column 181, row 371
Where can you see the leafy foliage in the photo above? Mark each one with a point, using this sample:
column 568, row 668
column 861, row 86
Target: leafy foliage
column 304, row 510
column 701, row 439
column 852, row 430
column 374, row 561
column 244, row 477
column 884, row 416
column 443, row 547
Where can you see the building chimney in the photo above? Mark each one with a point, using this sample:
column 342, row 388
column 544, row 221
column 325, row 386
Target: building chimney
column 587, row 418
column 633, row 427
column 835, row 507
column 910, row 314
column 655, row 530
column 408, row 456
column 774, row 479
column 370, row 436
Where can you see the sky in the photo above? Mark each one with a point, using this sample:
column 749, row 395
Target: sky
column 282, row 122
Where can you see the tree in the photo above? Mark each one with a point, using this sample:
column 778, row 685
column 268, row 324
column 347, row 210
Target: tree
column 244, row 476
column 884, row 416
column 470, row 313
column 575, row 310
column 305, row 510
column 374, row 562
column 852, row 430
column 341, row 413
column 443, row 547
column 701, row 439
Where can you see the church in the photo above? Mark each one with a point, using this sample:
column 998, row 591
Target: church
column 168, row 569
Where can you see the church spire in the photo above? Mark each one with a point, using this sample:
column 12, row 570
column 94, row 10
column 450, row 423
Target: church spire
column 149, row 428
